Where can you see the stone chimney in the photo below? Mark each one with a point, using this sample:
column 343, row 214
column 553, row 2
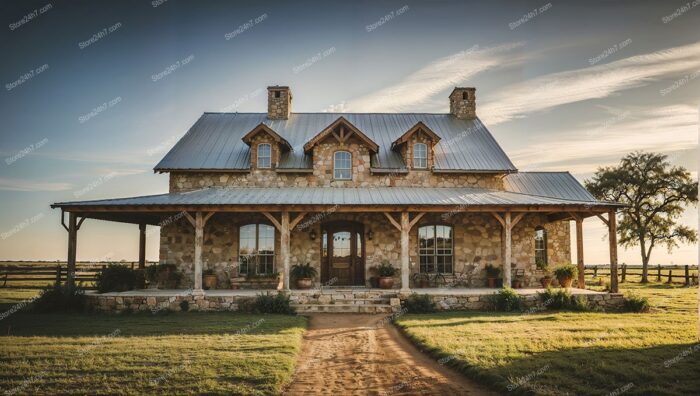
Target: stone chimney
column 279, row 102
column 463, row 103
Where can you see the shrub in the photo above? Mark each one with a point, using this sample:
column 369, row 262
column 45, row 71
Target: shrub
column 279, row 304
column 566, row 271
column 493, row 272
column 115, row 278
column 302, row 271
column 562, row 299
column 635, row 303
column 507, row 300
column 419, row 303
column 57, row 298
column 184, row 305
column 385, row 269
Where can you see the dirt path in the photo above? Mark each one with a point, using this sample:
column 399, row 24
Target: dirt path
column 365, row 355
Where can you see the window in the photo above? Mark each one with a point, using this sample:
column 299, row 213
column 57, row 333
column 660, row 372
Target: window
column 264, row 155
column 420, row 155
column 435, row 249
column 540, row 247
column 342, row 165
column 277, row 94
column 256, row 249
column 465, row 96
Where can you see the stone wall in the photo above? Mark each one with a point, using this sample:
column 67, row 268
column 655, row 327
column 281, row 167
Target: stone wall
column 474, row 235
column 531, row 302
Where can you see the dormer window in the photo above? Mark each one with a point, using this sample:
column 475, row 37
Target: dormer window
column 264, row 156
column 342, row 165
column 420, row 156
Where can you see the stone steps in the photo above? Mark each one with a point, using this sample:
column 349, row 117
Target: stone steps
column 344, row 308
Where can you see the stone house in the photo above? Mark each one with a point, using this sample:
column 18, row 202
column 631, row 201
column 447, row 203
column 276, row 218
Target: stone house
column 252, row 194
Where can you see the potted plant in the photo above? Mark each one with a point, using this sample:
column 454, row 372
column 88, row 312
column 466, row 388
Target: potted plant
column 386, row 273
column 492, row 274
column 546, row 280
column 209, row 279
column 304, row 275
column 565, row 274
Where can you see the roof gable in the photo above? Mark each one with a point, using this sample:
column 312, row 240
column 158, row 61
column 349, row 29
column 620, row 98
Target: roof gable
column 419, row 127
column 346, row 130
column 262, row 128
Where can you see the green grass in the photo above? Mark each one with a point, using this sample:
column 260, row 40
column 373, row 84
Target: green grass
column 183, row 353
column 556, row 353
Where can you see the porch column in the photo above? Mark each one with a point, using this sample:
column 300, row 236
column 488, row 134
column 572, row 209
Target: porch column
column 405, row 227
column 142, row 246
column 508, row 251
column 285, row 246
column 612, row 236
column 72, row 247
column 198, row 244
column 579, row 253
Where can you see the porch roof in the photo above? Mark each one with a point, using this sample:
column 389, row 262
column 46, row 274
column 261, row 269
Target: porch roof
column 298, row 197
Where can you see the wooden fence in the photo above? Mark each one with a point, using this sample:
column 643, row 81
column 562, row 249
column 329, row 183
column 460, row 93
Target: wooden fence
column 38, row 275
column 685, row 274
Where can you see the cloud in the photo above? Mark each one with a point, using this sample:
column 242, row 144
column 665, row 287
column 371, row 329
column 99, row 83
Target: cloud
column 594, row 82
column 434, row 78
column 30, row 185
column 583, row 149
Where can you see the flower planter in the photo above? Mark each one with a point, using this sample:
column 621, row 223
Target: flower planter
column 386, row 282
column 546, row 281
column 209, row 281
column 492, row 282
column 305, row 283
column 565, row 283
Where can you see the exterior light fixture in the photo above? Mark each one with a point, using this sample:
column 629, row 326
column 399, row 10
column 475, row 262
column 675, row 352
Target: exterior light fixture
column 370, row 235
column 312, row 235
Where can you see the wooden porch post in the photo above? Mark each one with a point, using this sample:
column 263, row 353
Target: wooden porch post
column 198, row 244
column 284, row 242
column 142, row 246
column 579, row 251
column 405, row 227
column 72, row 247
column 508, row 252
column 612, row 235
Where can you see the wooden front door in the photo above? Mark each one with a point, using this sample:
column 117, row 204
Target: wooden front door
column 343, row 254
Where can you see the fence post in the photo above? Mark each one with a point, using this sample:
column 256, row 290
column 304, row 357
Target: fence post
column 658, row 272
column 670, row 275
column 624, row 273
column 687, row 276
column 58, row 274
column 595, row 272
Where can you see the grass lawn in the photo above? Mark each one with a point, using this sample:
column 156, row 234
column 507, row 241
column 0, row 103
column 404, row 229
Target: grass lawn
column 183, row 353
column 557, row 353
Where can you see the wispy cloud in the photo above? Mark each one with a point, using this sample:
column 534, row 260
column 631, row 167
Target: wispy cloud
column 594, row 82
column 582, row 149
column 31, row 185
column 444, row 73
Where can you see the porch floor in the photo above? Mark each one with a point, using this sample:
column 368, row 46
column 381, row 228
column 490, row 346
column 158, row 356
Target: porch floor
column 338, row 290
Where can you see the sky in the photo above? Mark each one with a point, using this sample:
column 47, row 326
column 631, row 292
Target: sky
column 95, row 93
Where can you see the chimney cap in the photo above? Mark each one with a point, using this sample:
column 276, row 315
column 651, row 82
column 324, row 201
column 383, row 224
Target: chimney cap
column 278, row 87
column 459, row 89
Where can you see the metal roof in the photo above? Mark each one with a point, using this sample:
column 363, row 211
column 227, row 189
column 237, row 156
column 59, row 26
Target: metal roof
column 336, row 196
column 214, row 141
column 548, row 184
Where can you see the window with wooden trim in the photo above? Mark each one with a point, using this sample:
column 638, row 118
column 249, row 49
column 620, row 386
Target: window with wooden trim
column 342, row 165
column 435, row 253
column 264, row 155
column 540, row 247
column 256, row 249
column 420, row 155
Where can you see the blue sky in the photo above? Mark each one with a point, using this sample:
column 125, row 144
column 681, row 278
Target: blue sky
column 109, row 87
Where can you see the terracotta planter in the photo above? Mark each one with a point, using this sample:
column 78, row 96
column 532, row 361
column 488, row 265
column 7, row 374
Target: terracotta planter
column 517, row 284
column 546, row 281
column 304, row 283
column 423, row 283
column 565, row 282
column 209, row 281
column 386, row 282
column 492, row 282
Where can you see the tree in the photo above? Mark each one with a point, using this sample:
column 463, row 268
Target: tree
column 657, row 194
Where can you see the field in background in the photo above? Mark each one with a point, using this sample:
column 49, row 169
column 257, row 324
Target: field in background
column 183, row 353
column 555, row 353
